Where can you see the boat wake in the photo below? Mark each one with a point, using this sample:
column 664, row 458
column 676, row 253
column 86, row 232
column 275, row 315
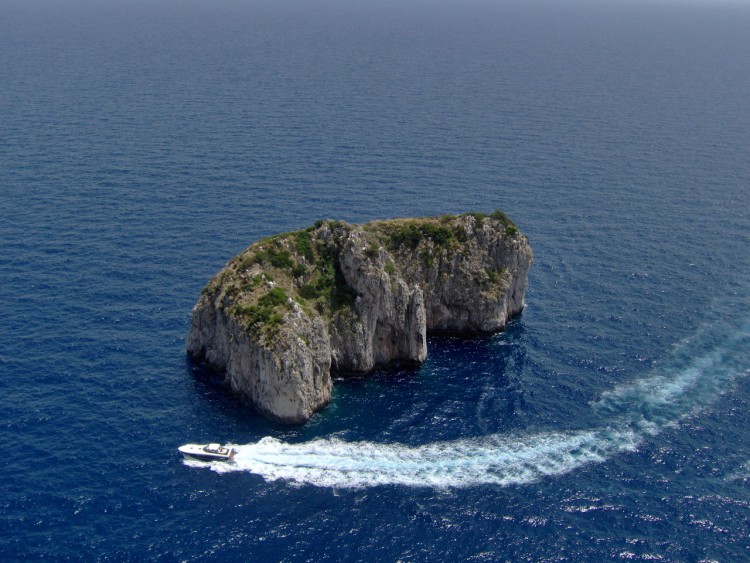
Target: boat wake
column 628, row 415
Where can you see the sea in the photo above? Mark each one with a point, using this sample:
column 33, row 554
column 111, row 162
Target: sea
column 143, row 143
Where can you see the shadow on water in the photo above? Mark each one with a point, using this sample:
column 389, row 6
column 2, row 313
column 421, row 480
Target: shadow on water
column 505, row 403
column 467, row 386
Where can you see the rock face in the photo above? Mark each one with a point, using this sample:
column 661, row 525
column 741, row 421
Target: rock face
column 289, row 310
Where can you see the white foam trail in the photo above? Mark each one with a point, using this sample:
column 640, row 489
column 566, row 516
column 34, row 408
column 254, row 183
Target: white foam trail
column 631, row 413
column 651, row 403
column 493, row 459
column 741, row 474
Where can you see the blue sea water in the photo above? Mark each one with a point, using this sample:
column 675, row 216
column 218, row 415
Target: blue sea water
column 143, row 144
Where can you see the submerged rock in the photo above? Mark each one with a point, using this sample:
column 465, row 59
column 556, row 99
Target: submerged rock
column 289, row 310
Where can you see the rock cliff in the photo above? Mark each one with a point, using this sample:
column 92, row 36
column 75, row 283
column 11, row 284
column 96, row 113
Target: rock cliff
column 289, row 310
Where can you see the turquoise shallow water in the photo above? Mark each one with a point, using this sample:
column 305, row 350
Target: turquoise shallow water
column 144, row 144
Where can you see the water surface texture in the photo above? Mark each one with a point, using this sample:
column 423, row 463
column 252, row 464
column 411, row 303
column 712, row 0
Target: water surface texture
column 143, row 144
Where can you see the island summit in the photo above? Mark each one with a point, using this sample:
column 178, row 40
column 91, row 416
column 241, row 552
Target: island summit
column 284, row 314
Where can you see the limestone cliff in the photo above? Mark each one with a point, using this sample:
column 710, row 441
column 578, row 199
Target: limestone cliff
column 346, row 298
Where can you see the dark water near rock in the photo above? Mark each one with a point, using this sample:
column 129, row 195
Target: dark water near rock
column 142, row 144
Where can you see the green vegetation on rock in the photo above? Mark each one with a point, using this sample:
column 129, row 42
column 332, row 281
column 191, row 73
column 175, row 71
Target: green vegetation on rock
column 304, row 244
column 266, row 315
column 303, row 266
column 274, row 256
column 412, row 233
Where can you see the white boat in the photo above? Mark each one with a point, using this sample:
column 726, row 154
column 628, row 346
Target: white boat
column 208, row 452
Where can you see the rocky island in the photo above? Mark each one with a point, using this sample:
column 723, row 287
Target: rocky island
column 284, row 314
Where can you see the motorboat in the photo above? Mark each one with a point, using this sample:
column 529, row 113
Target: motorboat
column 208, row 452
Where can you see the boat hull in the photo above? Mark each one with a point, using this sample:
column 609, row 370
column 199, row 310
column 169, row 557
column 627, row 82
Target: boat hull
column 207, row 452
